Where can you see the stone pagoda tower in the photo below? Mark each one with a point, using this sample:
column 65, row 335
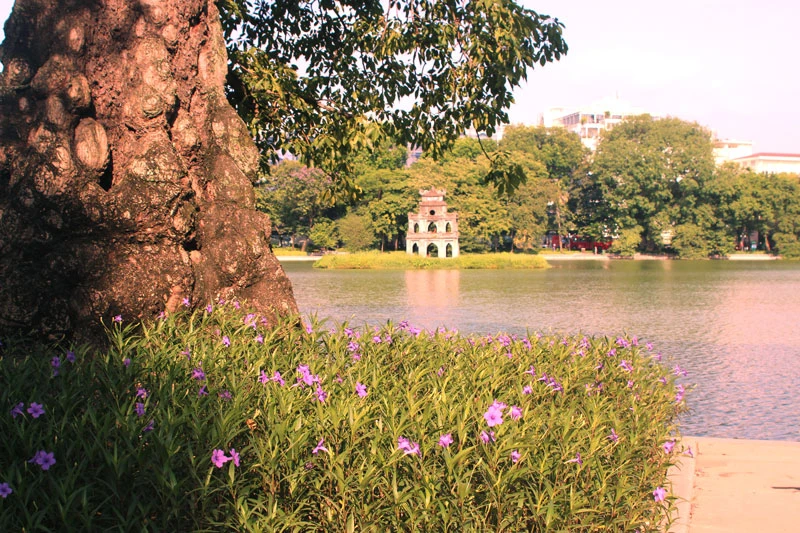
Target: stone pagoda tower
column 432, row 231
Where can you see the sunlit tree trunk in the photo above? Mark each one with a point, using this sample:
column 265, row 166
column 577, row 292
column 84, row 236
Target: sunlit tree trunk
column 125, row 176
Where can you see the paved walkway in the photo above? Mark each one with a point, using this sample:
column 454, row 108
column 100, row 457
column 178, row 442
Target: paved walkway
column 738, row 486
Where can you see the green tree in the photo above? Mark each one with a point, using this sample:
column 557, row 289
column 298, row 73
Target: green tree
column 530, row 208
column 355, row 232
column 324, row 80
column 650, row 174
column 564, row 158
column 294, row 196
column 324, row 234
column 561, row 151
column 748, row 202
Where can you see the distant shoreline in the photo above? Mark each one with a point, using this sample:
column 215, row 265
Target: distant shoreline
column 575, row 257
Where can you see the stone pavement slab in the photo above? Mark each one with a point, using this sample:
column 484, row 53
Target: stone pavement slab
column 738, row 486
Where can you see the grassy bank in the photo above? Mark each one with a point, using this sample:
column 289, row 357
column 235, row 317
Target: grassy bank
column 404, row 261
column 280, row 251
column 214, row 422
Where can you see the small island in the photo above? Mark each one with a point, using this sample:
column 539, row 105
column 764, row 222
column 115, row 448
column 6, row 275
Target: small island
column 403, row 261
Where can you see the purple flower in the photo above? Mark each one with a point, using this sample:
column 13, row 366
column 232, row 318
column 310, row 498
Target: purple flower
column 226, row 341
column 409, row 447
column 141, row 392
column 445, row 440
column 626, row 366
column 613, row 437
column 234, row 457
column 35, row 410
column 225, row 395
column 493, row 416
column 198, row 374
column 209, row 308
column 531, row 371
column 668, row 446
column 309, row 329
column 321, row 394
column 276, row 377
column 139, row 409
column 612, row 352
column 117, row 319
column 186, row 302
column 515, row 456
column 659, row 494
column 219, row 458
column 688, row 452
column 5, row 490
column 356, row 356
column 260, row 339
column 149, row 427
column 515, row 412
column 376, row 339
column 527, row 389
column 203, row 391
column 71, row 356
column 577, row 459
column 55, row 362
column 630, row 384
column 306, row 377
column 440, row 372
column 649, row 346
column 127, row 361
column 361, row 389
column 263, row 378
column 237, row 305
column 43, row 459
column 487, row 437
column 678, row 371
column 681, row 390
column 319, row 447
column 17, row 410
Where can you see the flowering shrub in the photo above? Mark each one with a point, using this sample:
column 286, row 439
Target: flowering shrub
column 213, row 421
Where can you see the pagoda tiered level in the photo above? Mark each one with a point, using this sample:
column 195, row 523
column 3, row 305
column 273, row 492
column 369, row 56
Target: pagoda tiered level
column 432, row 231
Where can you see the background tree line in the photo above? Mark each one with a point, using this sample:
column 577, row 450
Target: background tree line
column 652, row 185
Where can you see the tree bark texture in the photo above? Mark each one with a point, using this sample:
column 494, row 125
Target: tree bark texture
column 125, row 175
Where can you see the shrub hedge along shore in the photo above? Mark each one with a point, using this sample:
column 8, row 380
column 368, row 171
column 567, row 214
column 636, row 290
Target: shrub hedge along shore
column 404, row 261
column 212, row 421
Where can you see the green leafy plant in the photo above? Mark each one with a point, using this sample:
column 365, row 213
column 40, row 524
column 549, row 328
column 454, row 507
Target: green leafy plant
column 214, row 421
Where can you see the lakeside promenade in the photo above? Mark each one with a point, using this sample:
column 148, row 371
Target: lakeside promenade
column 737, row 486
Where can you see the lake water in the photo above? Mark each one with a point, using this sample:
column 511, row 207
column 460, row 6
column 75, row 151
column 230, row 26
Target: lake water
column 734, row 325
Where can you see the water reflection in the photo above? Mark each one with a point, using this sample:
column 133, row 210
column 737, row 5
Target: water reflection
column 734, row 325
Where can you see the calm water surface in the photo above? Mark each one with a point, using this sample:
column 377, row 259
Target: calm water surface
column 734, row 325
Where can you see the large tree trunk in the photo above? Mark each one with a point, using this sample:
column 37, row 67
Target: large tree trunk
column 125, row 176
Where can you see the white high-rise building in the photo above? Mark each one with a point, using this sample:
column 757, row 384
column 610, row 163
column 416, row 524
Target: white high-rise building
column 589, row 121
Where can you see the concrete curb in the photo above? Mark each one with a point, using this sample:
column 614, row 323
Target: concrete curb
column 681, row 475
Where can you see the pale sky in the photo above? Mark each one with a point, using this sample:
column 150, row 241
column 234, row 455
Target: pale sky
column 731, row 65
